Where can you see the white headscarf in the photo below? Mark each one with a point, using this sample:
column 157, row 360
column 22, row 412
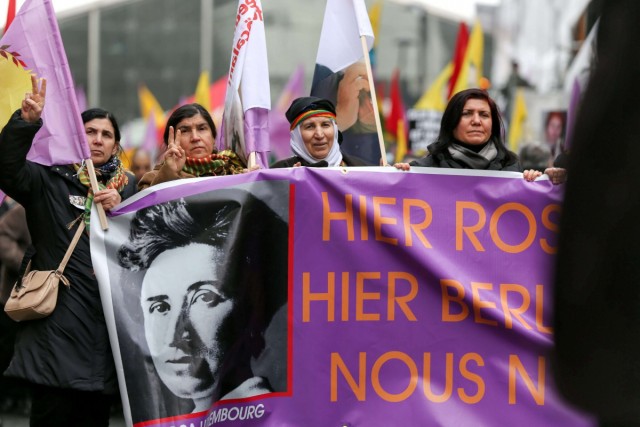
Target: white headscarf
column 334, row 158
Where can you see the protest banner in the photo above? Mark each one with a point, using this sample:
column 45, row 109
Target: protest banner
column 382, row 298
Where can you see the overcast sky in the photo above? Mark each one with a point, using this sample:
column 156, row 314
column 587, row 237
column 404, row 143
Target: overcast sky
column 463, row 8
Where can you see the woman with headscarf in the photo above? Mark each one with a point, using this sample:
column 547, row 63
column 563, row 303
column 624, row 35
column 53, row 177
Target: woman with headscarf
column 314, row 136
column 65, row 358
column 190, row 137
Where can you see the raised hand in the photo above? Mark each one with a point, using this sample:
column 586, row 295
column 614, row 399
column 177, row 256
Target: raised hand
column 33, row 102
column 175, row 156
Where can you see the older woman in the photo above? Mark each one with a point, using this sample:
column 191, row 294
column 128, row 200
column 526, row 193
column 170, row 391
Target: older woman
column 214, row 272
column 314, row 136
column 471, row 137
column 190, row 137
column 65, row 358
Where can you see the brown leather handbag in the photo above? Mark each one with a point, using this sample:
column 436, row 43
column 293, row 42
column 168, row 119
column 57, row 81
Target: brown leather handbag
column 36, row 294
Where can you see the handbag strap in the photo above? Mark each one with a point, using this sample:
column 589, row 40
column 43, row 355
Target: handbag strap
column 72, row 246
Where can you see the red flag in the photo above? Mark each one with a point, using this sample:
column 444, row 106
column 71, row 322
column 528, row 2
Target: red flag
column 458, row 55
column 396, row 123
column 11, row 13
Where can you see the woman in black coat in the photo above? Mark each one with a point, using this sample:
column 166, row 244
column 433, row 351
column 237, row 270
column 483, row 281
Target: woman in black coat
column 65, row 358
column 315, row 139
column 471, row 137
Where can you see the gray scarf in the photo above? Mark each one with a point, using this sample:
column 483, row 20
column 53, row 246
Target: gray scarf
column 472, row 159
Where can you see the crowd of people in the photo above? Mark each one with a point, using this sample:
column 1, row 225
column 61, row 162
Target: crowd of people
column 65, row 360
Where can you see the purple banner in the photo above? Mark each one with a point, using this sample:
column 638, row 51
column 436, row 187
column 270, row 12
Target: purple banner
column 393, row 299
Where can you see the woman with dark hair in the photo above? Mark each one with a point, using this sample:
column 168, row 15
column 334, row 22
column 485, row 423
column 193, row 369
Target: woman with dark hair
column 215, row 272
column 314, row 137
column 190, row 137
column 471, row 137
column 65, row 358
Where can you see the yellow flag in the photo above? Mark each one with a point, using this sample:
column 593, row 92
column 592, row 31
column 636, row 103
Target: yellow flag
column 374, row 18
column 471, row 71
column 518, row 120
column 149, row 104
column 202, row 95
column 15, row 82
column 435, row 98
column 401, row 142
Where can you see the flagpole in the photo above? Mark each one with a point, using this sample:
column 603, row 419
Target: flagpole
column 374, row 100
column 95, row 188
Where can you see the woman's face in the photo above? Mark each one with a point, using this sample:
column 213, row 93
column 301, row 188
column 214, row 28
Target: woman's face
column 196, row 136
column 474, row 127
column 102, row 140
column 554, row 130
column 185, row 309
column 318, row 134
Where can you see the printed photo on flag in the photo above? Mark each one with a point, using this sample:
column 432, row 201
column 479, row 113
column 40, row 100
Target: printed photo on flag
column 341, row 76
column 199, row 292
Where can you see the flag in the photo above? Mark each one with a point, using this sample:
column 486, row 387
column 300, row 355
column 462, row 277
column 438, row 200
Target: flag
column 11, row 14
column 340, row 68
column 374, row 18
column 278, row 124
column 471, row 70
column 149, row 104
column 245, row 125
column 572, row 113
column 217, row 91
column 150, row 141
column 458, row 56
column 396, row 121
column 81, row 98
column 202, row 94
column 518, row 120
column 435, row 98
column 33, row 42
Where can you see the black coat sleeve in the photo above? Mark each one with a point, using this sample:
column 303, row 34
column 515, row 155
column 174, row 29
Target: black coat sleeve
column 18, row 177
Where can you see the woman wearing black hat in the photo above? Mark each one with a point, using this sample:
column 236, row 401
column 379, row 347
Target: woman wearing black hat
column 315, row 140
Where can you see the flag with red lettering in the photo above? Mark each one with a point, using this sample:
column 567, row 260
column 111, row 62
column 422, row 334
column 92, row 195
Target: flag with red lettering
column 245, row 123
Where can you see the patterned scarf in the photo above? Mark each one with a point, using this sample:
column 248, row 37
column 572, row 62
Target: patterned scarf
column 110, row 175
column 223, row 163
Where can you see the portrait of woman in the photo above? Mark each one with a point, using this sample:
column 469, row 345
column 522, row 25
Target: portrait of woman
column 203, row 267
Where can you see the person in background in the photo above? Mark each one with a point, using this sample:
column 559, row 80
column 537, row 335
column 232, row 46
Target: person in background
column 190, row 137
column 14, row 241
column 471, row 137
column 554, row 132
column 535, row 157
column 140, row 163
column 64, row 358
column 314, row 136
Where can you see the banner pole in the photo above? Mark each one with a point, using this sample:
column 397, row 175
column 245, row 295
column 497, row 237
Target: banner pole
column 374, row 100
column 94, row 186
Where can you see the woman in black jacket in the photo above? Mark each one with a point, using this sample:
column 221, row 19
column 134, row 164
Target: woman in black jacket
column 471, row 137
column 66, row 357
column 315, row 140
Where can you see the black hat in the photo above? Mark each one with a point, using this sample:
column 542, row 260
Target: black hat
column 300, row 105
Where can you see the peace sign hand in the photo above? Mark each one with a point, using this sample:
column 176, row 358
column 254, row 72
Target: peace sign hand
column 33, row 103
column 175, row 156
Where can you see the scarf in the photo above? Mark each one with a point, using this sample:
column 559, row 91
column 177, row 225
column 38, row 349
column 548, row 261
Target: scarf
column 334, row 158
column 479, row 160
column 223, row 163
column 110, row 175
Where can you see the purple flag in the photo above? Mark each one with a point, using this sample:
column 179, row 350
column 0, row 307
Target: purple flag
column 81, row 98
column 35, row 37
column 572, row 112
column 150, row 139
column 278, row 124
